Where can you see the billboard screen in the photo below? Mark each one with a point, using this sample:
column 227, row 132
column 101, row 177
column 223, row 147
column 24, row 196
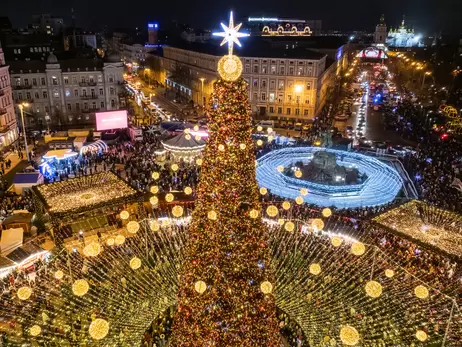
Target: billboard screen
column 111, row 120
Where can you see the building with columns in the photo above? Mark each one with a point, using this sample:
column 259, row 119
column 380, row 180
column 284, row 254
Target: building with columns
column 8, row 125
column 67, row 92
column 285, row 83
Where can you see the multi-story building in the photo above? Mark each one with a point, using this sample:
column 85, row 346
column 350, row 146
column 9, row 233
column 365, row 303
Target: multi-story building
column 8, row 126
column 47, row 24
column 135, row 53
column 67, row 91
column 283, row 83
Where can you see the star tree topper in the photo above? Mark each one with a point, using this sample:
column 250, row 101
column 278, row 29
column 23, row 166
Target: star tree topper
column 230, row 34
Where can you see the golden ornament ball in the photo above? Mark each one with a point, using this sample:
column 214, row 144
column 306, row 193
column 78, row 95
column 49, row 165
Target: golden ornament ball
column 421, row 292
column 169, row 197
column 299, row 200
column 421, row 335
column 349, row 335
column 336, row 241
column 133, row 227
column 303, row 191
column 389, row 273
column 229, row 67
column 272, row 211
column 35, row 330
column 110, row 241
column 259, row 143
column 298, row 173
column 59, row 274
column 326, row 212
column 188, row 190
column 266, row 287
column 242, row 146
column 92, row 249
column 221, row 148
column 373, row 289
column 253, row 213
column 135, row 263
column 212, row 215
column 315, row 269
column 154, row 200
column 98, row 329
column 177, row 211
column 263, row 191
column 155, row 175
column 358, row 248
column 289, row 226
column 280, row 168
column 199, row 161
column 174, row 167
column 286, row 205
column 259, row 128
column 317, row 224
column 119, row 240
column 80, row 287
column 154, row 189
column 24, row 293
column 200, row 287
column 154, row 226
column 124, row 215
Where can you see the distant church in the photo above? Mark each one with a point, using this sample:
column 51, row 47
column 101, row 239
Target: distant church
column 403, row 37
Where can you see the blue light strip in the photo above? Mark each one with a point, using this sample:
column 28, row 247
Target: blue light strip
column 382, row 185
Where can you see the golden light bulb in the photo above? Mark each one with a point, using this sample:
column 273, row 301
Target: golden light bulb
column 212, row 215
column 98, row 329
column 263, row 191
column 286, row 205
column 289, row 226
column 154, row 189
column 154, row 200
column 358, row 248
column 253, row 213
column 299, row 200
column 24, row 293
column 80, row 287
column 326, row 212
column 155, row 175
column 59, row 274
column 349, row 335
column 135, row 263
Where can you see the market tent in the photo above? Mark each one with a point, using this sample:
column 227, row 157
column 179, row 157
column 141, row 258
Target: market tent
column 96, row 146
column 26, row 181
column 19, row 219
column 11, row 239
column 60, row 154
column 184, row 145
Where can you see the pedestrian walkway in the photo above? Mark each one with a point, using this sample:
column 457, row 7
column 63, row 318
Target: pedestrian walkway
column 15, row 160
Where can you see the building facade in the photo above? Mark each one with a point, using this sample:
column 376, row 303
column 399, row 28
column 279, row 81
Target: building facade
column 285, row 86
column 135, row 53
column 380, row 35
column 69, row 91
column 403, row 37
column 8, row 125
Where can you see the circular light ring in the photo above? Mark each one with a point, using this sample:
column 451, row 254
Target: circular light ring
column 266, row 287
column 259, row 143
column 317, row 224
column 80, row 287
column 221, row 148
column 230, row 67
column 299, row 200
column 124, row 215
column 187, row 137
column 135, row 263
column 199, row 161
column 110, row 241
column 303, row 191
column 200, row 287
column 259, row 128
column 298, row 174
column 175, row 167
column 315, row 269
column 177, row 211
column 188, row 190
column 154, row 226
column 373, row 289
column 242, row 146
column 99, row 329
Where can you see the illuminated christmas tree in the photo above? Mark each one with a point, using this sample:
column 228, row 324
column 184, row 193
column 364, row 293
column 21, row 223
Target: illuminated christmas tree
column 226, row 284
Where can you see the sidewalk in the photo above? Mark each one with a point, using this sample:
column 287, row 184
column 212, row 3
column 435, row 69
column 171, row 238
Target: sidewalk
column 13, row 156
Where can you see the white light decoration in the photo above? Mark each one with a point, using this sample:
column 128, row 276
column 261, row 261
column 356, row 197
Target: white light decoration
column 200, row 287
column 373, row 289
column 133, row 227
column 98, row 329
column 188, row 190
column 259, row 143
column 196, row 127
column 270, row 138
column 349, row 335
column 135, row 263
column 266, row 287
column 124, row 215
column 110, row 241
column 269, row 130
column 280, row 168
column 317, row 224
column 24, row 293
column 259, row 128
column 80, row 287
column 289, row 226
column 187, row 137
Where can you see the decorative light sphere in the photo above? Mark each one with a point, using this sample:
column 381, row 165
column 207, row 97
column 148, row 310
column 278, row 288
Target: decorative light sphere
column 272, row 211
column 154, row 226
column 119, row 240
column 199, row 161
column 35, row 330
column 315, row 269
column 289, row 226
column 259, row 143
column 221, row 148
column 253, row 213
column 154, row 200
column 317, row 224
column 92, row 249
column 98, row 329
column 155, row 175
column 421, row 292
column 187, row 137
column 80, row 287
column 212, row 215
column 154, row 189
column 24, row 293
column 174, row 167
column 188, row 190
column 133, row 227
column 230, row 67
column 326, row 212
column 135, row 263
column 259, row 128
column 299, row 200
column 280, row 168
column 349, row 335
column 281, row 221
column 389, row 273
column 59, row 274
column 169, row 197
column 124, row 215
column 298, row 173
column 421, row 335
column 200, row 287
column 336, row 241
column 303, row 191
column 269, row 130
column 286, row 205
column 242, row 146
column 373, row 289
column 110, row 241
column 177, row 211
column 266, row 287
column 358, row 248
column 263, row 191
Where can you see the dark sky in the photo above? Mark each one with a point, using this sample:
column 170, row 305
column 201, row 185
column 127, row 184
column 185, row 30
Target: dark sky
column 427, row 16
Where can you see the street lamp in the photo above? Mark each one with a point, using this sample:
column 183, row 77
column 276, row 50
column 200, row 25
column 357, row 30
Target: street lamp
column 427, row 73
column 202, row 79
column 21, row 109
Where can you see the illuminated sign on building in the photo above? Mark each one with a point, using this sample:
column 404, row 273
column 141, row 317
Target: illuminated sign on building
column 262, row 19
column 152, row 25
column 287, row 30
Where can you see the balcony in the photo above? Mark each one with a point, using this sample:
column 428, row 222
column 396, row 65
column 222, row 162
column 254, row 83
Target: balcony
column 89, row 97
column 20, row 87
column 87, row 84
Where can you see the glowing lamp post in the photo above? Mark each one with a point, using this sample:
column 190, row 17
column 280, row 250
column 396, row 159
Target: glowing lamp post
column 21, row 109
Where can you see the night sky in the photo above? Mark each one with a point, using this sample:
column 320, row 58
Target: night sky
column 425, row 15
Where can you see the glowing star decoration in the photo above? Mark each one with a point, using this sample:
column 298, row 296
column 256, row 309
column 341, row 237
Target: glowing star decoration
column 169, row 197
column 98, row 329
column 154, row 189
column 421, row 335
column 177, row 211
column 358, row 248
column 80, row 287
column 200, row 287
column 349, row 335
column 326, row 212
column 155, row 175
column 421, row 292
column 230, row 34
column 188, row 190
column 35, row 330
column 212, row 215
column 336, row 241
column 133, row 227
column 263, row 191
column 59, row 274
column 389, row 273
column 24, row 293
column 286, row 205
column 253, row 213
column 315, row 269
column 272, row 211
column 373, row 289
column 124, row 215
column 154, row 200
column 266, row 287
column 92, row 250
column 135, row 263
